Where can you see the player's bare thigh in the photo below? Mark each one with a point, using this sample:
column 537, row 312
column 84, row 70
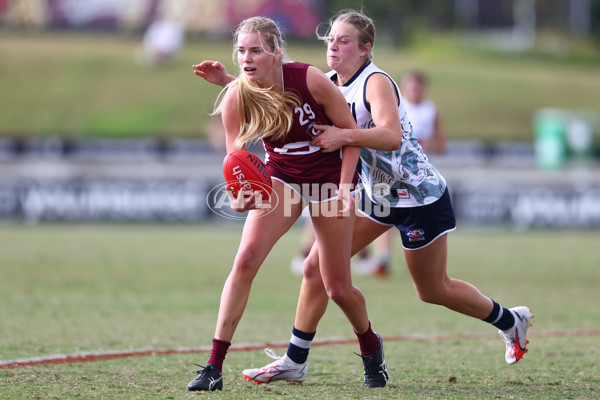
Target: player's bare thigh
column 264, row 227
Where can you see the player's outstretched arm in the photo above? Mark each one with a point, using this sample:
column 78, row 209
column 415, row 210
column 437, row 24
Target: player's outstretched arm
column 213, row 72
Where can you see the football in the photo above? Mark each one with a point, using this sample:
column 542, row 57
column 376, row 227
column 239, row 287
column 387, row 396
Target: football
column 245, row 171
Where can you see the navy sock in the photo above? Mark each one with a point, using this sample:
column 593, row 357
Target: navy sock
column 501, row 317
column 299, row 345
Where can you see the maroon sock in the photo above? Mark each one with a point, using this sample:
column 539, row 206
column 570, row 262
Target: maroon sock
column 217, row 355
column 368, row 342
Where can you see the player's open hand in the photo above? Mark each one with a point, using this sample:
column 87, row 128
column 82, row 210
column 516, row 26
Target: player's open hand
column 213, row 72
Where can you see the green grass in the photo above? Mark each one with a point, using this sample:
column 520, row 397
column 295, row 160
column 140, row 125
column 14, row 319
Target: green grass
column 77, row 288
column 90, row 85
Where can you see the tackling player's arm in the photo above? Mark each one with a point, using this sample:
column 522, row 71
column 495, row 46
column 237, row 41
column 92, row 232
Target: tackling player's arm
column 387, row 133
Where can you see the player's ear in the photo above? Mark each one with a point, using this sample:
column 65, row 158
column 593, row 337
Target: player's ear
column 277, row 58
column 365, row 49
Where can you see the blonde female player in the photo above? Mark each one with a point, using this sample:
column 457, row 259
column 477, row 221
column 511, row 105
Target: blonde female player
column 400, row 188
column 279, row 102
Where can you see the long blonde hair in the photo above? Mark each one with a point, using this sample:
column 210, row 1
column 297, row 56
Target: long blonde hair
column 263, row 111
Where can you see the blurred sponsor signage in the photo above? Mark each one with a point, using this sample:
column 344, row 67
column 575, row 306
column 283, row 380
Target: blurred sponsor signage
column 90, row 199
column 523, row 207
column 188, row 200
column 53, row 179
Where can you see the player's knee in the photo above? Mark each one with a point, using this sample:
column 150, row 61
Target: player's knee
column 338, row 294
column 429, row 296
column 246, row 263
column 435, row 291
column 310, row 268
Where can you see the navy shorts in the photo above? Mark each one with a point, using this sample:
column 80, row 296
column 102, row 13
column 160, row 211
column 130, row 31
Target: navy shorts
column 418, row 226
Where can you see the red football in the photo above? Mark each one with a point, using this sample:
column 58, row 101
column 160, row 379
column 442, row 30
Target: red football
column 245, row 171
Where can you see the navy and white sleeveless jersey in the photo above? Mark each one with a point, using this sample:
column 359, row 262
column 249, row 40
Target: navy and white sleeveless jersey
column 292, row 159
column 403, row 177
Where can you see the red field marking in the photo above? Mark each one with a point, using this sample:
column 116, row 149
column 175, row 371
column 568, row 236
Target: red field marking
column 109, row 355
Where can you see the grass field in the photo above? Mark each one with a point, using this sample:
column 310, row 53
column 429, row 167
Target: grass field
column 90, row 85
column 79, row 288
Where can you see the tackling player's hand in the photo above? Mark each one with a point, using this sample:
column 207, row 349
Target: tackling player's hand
column 330, row 138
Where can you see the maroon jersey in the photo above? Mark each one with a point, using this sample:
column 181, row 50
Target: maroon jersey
column 292, row 159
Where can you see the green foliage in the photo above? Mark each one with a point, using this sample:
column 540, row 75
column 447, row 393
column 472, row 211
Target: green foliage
column 69, row 288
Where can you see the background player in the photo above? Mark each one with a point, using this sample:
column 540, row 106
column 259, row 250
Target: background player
column 423, row 113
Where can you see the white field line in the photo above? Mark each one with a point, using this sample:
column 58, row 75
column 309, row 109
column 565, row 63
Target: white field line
column 97, row 355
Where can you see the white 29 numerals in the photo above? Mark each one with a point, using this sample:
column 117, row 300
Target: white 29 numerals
column 307, row 116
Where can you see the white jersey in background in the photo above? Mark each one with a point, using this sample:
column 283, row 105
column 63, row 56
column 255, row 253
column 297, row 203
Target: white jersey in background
column 422, row 118
column 403, row 177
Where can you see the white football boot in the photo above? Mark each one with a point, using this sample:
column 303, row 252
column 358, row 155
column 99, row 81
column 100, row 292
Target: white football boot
column 516, row 337
column 282, row 369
